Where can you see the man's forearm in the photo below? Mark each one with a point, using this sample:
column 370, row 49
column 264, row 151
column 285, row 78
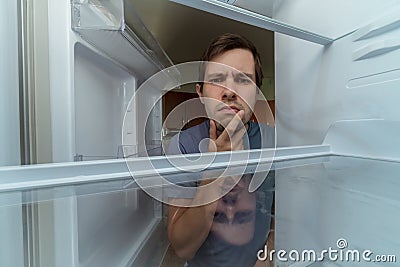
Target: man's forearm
column 188, row 229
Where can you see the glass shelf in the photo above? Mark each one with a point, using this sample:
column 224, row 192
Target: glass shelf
column 119, row 172
column 249, row 12
column 313, row 21
column 319, row 200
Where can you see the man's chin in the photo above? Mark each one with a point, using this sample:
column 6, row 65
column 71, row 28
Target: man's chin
column 220, row 127
column 223, row 122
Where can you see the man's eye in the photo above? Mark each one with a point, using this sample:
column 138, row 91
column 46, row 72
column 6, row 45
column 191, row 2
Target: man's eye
column 216, row 80
column 220, row 217
column 244, row 80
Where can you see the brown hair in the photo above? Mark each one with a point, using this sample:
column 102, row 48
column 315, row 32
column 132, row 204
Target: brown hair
column 226, row 42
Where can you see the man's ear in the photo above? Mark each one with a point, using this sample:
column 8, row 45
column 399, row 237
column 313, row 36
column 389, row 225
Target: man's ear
column 257, row 93
column 199, row 93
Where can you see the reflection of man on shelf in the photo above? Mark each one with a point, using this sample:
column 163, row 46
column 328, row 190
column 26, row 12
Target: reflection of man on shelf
column 222, row 231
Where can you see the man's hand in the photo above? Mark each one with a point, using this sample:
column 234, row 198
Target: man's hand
column 232, row 136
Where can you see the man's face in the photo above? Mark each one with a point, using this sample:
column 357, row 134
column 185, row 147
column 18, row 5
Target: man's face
column 229, row 86
column 234, row 219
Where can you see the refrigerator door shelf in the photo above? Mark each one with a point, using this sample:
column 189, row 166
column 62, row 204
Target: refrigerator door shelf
column 114, row 28
column 100, row 14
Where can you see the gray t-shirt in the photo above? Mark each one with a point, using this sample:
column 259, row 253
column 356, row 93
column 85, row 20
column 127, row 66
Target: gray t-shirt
column 192, row 139
column 215, row 252
column 195, row 140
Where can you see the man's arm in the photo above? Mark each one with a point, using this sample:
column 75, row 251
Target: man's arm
column 190, row 220
column 188, row 227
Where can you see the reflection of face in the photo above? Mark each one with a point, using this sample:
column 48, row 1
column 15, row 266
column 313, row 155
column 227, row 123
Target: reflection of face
column 234, row 88
column 234, row 219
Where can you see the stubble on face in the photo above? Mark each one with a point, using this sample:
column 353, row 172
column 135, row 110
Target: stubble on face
column 229, row 84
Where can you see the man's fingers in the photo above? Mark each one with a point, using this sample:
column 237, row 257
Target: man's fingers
column 212, row 146
column 237, row 138
column 231, row 137
column 234, row 125
column 213, row 130
column 236, row 122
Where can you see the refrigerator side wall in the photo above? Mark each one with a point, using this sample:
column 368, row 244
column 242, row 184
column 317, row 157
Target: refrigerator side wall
column 9, row 103
column 11, row 224
column 11, row 231
column 61, row 56
column 355, row 78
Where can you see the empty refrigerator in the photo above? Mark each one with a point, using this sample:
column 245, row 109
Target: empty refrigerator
column 336, row 79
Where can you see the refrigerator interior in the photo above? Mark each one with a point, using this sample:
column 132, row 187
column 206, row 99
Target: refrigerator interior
column 334, row 83
column 97, row 63
column 102, row 90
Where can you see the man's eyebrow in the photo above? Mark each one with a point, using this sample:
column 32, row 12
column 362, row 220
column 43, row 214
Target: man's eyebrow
column 216, row 74
column 220, row 217
column 251, row 76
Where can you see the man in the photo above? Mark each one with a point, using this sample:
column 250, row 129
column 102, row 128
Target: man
column 229, row 93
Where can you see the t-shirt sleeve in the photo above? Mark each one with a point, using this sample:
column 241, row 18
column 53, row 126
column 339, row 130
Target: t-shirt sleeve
column 268, row 136
column 174, row 147
column 186, row 189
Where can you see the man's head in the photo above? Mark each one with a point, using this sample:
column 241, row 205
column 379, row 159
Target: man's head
column 230, row 79
column 235, row 215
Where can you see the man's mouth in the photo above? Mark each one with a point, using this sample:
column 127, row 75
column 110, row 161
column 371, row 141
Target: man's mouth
column 230, row 109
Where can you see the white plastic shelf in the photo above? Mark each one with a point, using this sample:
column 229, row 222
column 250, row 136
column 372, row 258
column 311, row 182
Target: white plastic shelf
column 114, row 28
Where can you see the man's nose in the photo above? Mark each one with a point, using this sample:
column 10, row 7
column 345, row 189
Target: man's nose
column 230, row 214
column 230, row 201
column 229, row 92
